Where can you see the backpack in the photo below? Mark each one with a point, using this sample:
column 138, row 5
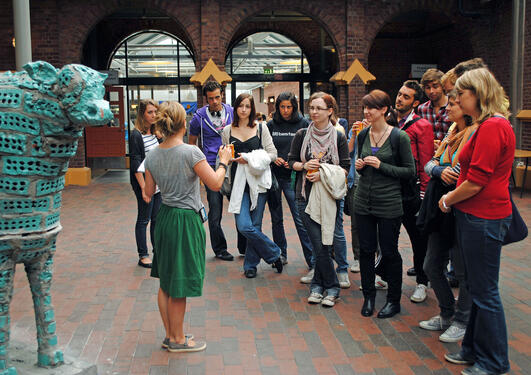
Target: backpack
column 410, row 187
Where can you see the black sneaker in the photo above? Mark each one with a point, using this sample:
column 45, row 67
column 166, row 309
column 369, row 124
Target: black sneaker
column 225, row 255
column 458, row 359
column 278, row 265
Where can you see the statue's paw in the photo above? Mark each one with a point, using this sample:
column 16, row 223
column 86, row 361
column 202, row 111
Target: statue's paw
column 8, row 371
column 52, row 359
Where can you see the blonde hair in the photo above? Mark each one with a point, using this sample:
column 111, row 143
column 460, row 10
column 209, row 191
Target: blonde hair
column 450, row 77
column 171, row 118
column 140, row 124
column 490, row 94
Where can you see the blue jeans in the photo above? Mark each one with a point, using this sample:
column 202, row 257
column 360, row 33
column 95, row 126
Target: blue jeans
column 249, row 223
column 215, row 212
column 340, row 242
column 440, row 251
column 146, row 212
column 480, row 241
column 325, row 277
column 274, row 202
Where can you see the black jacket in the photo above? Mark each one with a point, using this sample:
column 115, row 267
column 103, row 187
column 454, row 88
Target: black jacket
column 137, row 154
column 282, row 133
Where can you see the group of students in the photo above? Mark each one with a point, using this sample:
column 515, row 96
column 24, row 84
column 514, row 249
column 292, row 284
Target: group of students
column 318, row 166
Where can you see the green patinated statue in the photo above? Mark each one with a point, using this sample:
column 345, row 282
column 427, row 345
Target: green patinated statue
column 42, row 114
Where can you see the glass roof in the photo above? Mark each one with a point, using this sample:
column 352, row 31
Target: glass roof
column 153, row 54
column 266, row 53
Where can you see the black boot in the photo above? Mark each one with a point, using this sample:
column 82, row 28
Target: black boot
column 390, row 309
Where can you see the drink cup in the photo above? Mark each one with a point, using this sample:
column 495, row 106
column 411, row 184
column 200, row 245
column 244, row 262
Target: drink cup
column 231, row 146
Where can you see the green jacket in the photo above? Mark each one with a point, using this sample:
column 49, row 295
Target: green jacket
column 379, row 191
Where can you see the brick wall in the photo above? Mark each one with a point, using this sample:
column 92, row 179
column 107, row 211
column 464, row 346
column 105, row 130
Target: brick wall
column 60, row 29
column 392, row 65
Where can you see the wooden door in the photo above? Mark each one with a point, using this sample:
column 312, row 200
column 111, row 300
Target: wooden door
column 108, row 140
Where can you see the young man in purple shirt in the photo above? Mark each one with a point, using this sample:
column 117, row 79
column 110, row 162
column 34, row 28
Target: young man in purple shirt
column 207, row 124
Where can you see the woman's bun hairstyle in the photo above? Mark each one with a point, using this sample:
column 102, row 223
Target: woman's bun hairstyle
column 171, row 118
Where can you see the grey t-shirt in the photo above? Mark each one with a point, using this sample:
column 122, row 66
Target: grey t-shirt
column 173, row 171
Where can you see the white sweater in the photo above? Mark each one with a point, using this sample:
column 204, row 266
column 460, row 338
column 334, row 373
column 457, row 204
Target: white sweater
column 256, row 173
column 322, row 200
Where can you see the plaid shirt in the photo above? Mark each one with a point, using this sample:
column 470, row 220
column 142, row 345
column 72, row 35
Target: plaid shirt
column 439, row 120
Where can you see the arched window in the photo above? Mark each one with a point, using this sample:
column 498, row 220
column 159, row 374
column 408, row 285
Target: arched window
column 266, row 53
column 264, row 64
column 152, row 54
column 152, row 65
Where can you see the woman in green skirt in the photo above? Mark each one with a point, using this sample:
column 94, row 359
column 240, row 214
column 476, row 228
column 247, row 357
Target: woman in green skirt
column 179, row 262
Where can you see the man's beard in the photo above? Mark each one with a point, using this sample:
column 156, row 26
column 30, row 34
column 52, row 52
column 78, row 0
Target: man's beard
column 404, row 110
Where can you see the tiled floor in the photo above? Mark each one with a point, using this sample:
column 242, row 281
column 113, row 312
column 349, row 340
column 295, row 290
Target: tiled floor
column 107, row 313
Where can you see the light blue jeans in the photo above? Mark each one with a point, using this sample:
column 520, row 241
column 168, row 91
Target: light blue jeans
column 340, row 242
column 249, row 223
column 277, row 220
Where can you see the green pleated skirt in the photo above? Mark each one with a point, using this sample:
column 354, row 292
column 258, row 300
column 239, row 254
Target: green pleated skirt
column 179, row 258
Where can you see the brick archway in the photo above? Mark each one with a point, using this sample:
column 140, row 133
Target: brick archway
column 435, row 44
column 381, row 18
column 91, row 14
column 332, row 23
column 303, row 38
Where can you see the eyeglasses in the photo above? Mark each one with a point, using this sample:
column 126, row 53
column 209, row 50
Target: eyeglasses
column 312, row 109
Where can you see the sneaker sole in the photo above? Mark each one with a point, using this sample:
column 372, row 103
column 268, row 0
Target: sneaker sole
column 198, row 348
column 328, row 304
column 344, row 286
column 314, row 300
column 189, row 336
column 456, row 362
column 414, row 300
column 450, row 339
column 434, row 329
column 306, row 281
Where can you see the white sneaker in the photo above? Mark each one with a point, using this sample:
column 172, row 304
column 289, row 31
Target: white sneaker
column 344, row 282
column 329, row 301
column 307, row 279
column 437, row 323
column 454, row 333
column 355, row 267
column 315, row 298
column 419, row 295
column 378, row 283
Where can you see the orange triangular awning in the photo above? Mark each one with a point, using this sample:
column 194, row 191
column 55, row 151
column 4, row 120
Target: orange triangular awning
column 356, row 69
column 210, row 70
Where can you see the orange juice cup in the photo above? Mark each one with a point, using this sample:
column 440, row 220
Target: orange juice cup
column 231, row 146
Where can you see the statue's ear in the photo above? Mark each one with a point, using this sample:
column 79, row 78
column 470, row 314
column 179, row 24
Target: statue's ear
column 42, row 72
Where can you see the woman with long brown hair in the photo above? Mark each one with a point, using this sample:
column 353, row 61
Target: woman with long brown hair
column 141, row 142
column 254, row 148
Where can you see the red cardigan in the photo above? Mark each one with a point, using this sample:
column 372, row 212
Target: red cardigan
column 420, row 133
column 487, row 160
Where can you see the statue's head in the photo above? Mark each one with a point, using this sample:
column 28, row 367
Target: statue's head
column 79, row 91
